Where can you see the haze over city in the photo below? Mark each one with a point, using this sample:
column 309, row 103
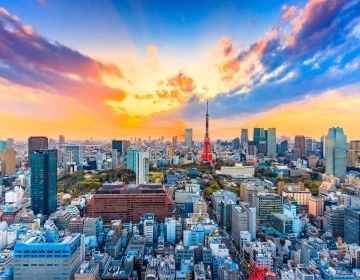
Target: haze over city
column 145, row 68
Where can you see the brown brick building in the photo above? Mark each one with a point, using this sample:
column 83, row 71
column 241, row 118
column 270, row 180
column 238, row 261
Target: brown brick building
column 121, row 202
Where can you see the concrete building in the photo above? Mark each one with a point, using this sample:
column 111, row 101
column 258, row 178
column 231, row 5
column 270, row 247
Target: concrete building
column 316, row 205
column 352, row 226
column 73, row 153
column 8, row 161
column 299, row 147
column 36, row 143
column 35, row 258
column 267, row 204
column 142, row 168
column 237, row 171
column 334, row 221
column 119, row 202
column 243, row 219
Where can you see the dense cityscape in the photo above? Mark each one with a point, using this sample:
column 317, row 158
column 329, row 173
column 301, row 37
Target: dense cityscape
column 180, row 140
column 260, row 208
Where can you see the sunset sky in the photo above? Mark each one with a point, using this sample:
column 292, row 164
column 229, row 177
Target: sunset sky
column 121, row 69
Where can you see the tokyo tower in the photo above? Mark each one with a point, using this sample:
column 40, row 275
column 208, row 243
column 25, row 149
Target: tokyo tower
column 207, row 155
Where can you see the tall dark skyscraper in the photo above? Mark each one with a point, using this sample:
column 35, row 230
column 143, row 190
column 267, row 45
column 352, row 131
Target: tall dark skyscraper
column 37, row 143
column 259, row 135
column 61, row 140
column 300, row 146
column 43, row 181
column 117, row 145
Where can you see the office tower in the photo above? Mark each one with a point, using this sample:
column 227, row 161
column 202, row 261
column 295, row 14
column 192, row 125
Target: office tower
column 335, row 152
column 188, row 137
column 284, row 147
column 271, row 142
column 149, row 228
column 39, row 258
column 352, row 226
column 142, row 168
column 3, row 145
column 308, row 145
column 261, row 147
column 36, row 143
column 334, row 221
column 174, row 141
column 131, row 159
column 354, row 154
column 10, row 142
column 114, row 158
column 259, row 135
column 118, row 202
column 117, row 145
column 244, row 139
column 267, row 204
column 61, row 140
column 252, row 148
column 8, row 162
column 43, row 189
column 236, row 143
column 74, row 153
column 300, row 148
column 316, row 205
column 243, row 219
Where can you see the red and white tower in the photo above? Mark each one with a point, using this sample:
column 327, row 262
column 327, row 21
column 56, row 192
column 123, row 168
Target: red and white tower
column 207, row 155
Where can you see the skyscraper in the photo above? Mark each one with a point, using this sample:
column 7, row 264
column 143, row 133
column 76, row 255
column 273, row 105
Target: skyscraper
column 131, row 159
column 259, row 135
column 188, row 137
column 271, row 142
column 36, row 143
column 244, row 138
column 43, row 181
column 74, row 153
column 10, row 142
column 335, row 152
column 300, row 147
column 308, row 145
column 61, row 140
column 142, row 168
column 8, row 161
column 117, row 145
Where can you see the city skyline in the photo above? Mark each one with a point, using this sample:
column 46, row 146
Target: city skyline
column 66, row 68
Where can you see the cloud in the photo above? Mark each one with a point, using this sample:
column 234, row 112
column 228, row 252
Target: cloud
column 289, row 12
column 28, row 59
column 152, row 62
column 272, row 71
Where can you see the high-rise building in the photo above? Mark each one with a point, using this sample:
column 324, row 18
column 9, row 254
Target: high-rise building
column 354, row 154
column 267, row 204
column 300, row 147
column 117, row 145
column 284, row 147
column 3, row 145
column 149, row 228
column 10, row 142
column 74, row 153
column 131, row 158
column 316, row 206
column 335, row 152
column 43, row 181
column 8, row 161
column 142, row 168
column 36, row 143
column 61, row 140
column 352, row 226
column 308, row 145
column 174, row 141
column 188, row 137
column 236, row 143
column 244, row 139
column 114, row 158
column 259, row 135
column 243, row 219
column 271, row 142
column 39, row 258
column 334, row 221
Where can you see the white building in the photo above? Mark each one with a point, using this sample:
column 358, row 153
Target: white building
column 142, row 168
column 237, row 171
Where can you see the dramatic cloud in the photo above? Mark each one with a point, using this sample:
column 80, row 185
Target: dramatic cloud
column 317, row 51
column 30, row 60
